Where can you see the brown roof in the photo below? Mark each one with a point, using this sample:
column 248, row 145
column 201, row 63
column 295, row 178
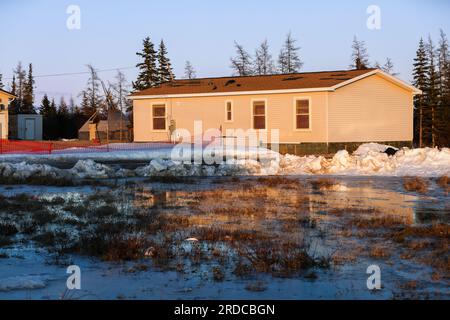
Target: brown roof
column 306, row 80
column 113, row 125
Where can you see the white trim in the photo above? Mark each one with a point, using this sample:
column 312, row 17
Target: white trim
column 231, row 93
column 253, row 100
column 226, row 111
column 165, row 117
column 295, row 99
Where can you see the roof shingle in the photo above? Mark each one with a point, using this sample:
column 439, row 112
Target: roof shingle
column 307, row 80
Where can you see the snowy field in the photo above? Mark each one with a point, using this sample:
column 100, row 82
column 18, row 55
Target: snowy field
column 368, row 160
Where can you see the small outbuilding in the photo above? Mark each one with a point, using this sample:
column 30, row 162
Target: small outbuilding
column 25, row 127
column 115, row 127
column 5, row 99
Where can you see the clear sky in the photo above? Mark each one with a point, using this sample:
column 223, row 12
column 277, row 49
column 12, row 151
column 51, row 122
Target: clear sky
column 203, row 32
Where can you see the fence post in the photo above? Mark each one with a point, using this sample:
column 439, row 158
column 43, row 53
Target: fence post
column 50, row 147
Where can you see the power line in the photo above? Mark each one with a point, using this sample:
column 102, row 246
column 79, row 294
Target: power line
column 77, row 73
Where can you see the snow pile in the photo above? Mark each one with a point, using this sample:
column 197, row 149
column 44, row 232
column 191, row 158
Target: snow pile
column 91, row 169
column 22, row 283
column 370, row 159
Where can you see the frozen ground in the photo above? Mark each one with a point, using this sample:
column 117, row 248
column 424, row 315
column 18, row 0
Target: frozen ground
column 344, row 223
column 366, row 161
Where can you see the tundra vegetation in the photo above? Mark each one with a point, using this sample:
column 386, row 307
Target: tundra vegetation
column 234, row 228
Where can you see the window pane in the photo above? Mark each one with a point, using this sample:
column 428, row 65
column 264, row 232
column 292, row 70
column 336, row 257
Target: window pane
column 302, row 122
column 259, row 122
column 159, row 123
column 229, row 106
column 229, row 115
column 258, row 108
column 159, row 111
column 302, row 106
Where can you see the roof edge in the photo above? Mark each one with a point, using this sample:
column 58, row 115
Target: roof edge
column 230, row 93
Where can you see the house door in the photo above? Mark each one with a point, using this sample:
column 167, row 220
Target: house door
column 3, row 126
column 29, row 129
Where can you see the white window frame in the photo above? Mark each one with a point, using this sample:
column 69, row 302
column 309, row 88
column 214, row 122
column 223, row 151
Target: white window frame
column 252, row 101
column 309, row 113
column 165, row 116
column 226, row 111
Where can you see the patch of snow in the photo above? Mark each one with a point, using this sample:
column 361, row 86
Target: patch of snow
column 26, row 282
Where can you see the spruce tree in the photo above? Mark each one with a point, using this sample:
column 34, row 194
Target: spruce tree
column 443, row 112
column 431, row 94
column 360, row 57
column 242, row 62
column 1, row 81
column 263, row 60
column 289, row 60
column 19, row 80
column 189, row 71
column 92, row 99
column 28, row 93
column 148, row 72
column 165, row 72
column 420, row 73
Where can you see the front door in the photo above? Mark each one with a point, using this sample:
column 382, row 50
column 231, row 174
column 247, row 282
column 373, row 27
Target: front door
column 29, row 129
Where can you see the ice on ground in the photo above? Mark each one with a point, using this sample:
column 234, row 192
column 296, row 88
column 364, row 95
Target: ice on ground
column 25, row 282
column 368, row 159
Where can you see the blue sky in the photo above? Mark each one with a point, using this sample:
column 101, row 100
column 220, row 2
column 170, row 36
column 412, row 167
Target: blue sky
column 203, row 32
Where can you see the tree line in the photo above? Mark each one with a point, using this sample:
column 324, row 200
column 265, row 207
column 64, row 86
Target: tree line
column 431, row 74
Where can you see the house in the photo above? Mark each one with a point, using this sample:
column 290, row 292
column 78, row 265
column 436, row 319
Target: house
column 115, row 127
column 315, row 112
column 5, row 100
column 25, row 126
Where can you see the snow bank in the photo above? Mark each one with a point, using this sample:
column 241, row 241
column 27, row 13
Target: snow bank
column 367, row 160
column 26, row 282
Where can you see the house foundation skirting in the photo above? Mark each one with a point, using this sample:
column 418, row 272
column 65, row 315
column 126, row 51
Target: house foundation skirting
column 314, row 148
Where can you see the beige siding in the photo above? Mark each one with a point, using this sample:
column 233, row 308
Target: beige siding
column 4, row 116
column 372, row 109
column 211, row 111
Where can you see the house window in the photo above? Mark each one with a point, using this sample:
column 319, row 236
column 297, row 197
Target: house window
column 259, row 115
column 302, row 114
column 159, row 117
column 229, row 111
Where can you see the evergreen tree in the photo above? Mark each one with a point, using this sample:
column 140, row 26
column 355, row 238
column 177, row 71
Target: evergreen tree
column 443, row 112
column 388, row 67
column 242, row 62
column 289, row 60
column 148, row 74
column 1, row 81
column 360, row 57
column 28, row 93
column 263, row 60
column 431, row 94
column 165, row 72
column 19, row 80
column 189, row 72
column 92, row 99
column 420, row 73
column 45, row 108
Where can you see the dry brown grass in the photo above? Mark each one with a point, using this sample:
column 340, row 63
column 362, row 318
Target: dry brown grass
column 379, row 252
column 415, row 184
column 444, row 183
column 279, row 181
column 321, row 184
